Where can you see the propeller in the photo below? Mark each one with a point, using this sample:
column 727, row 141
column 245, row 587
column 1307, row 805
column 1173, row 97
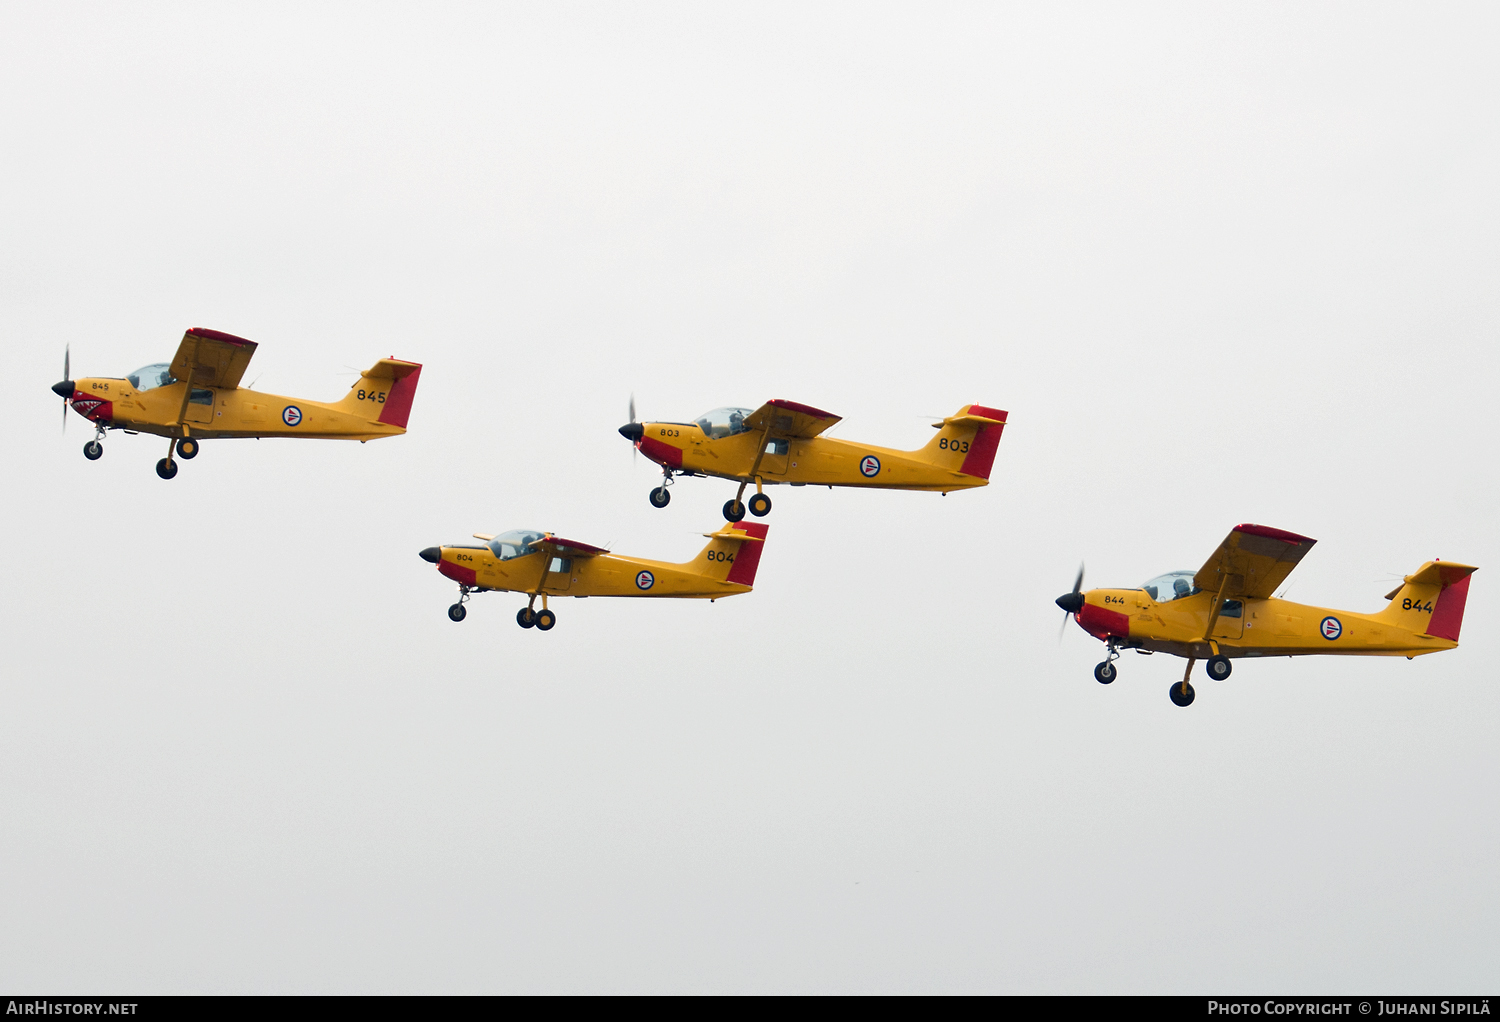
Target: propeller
column 64, row 389
column 1071, row 603
column 632, row 430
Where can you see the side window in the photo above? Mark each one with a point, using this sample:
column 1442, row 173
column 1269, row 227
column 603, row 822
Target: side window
column 201, row 397
column 1232, row 608
column 776, row 447
column 561, row 565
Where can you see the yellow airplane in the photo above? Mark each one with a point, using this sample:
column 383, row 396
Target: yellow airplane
column 1225, row 610
column 197, row 396
column 542, row 565
column 779, row 442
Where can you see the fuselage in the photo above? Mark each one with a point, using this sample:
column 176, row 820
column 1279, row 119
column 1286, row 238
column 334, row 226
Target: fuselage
column 211, row 413
column 598, row 575
column 1246, row 628
column 815, row 461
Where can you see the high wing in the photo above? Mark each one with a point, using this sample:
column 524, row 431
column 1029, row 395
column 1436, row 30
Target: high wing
column 789, row 419
column 567, row 547
column 209, row 358
column 1256, row 560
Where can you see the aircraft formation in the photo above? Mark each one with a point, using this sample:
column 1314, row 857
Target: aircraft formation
column 1225, row 610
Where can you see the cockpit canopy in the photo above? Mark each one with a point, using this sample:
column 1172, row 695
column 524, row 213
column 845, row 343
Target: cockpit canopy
column 1174, row 585
column 724, row 421
column 157, row 374
column 515, row 543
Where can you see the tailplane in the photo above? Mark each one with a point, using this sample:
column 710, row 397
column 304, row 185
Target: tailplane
column 384, row 392
column 1431, row 600
column 966, row 442
column 733, row 553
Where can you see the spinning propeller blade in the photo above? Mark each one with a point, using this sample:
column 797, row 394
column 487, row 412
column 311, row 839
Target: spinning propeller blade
column 1072, row 602
column 67, row 375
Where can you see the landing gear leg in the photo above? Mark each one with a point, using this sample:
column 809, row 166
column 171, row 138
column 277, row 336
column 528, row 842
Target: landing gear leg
column 760, row 504
column 734, row 510
column 457, row 611
column 545, row 619
column 1106, row 672
column 166, row 467
column 659, row 496
column 1181, row 692
column 525, row 617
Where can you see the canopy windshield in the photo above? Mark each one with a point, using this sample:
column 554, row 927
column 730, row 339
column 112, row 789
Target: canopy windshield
column 1174, row 585
column 157, row 374
column 515, row 543
column 724, row 421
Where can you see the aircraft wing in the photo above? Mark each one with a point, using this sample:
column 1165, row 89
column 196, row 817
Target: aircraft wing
column 208, row 358
column 1257, row 560
column 790, row 419
column 567, row 547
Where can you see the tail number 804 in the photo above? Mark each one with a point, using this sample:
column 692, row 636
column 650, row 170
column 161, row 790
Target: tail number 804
column 961, row 446
column 719, row 555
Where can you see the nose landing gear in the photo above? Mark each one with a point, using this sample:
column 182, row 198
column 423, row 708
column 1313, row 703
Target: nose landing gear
column 458, row 611
column 1106, row 672
column 659, row 496
column 94, row 450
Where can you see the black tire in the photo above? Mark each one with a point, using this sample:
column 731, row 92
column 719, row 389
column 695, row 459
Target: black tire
column 545, row 619
column 660, row 497
column 1177, row 696
column 760, row 505
column 1218, row 667
column 93, row 450
column 734, row 511
column 1106, row 673
column 166, row 469
column 187, row 448
column 457, row 612
column 525, row 618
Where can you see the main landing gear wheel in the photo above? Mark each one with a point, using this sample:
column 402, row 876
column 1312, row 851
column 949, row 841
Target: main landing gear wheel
column 457, row 612
column 525, row 618
column 545, row 619
column 734, row 511
column 760, row 505
column 1106, row 673
column 1218, row 668
column 93, row 450
column 660, row 497
column 187, row 448
column 166, row 469
column 1179, row 697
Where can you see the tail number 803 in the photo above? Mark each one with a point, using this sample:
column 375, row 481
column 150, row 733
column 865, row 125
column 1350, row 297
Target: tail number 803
column 961, row 446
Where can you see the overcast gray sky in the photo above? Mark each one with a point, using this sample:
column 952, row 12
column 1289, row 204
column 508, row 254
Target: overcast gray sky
column 1221, row 263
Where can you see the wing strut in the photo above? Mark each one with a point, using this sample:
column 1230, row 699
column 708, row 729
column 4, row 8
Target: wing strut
column 187, row 390
column 1213, row 619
